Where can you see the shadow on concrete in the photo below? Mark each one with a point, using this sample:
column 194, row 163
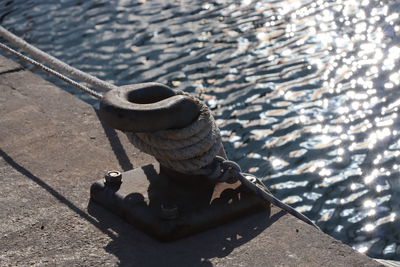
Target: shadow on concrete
column 53, row 192
column 116, row 145
column 134, row 248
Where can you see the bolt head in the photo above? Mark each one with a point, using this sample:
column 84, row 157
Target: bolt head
column 113, row 177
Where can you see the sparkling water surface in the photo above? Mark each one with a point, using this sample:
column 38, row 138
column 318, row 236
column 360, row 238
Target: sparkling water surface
column 306, row 93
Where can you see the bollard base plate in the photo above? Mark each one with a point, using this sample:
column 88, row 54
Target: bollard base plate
column 167, row 210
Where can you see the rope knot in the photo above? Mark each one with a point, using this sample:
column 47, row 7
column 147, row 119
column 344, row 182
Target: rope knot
column 185, row 150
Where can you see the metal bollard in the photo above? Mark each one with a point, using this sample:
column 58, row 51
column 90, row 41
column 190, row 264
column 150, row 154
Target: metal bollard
column 155, row 198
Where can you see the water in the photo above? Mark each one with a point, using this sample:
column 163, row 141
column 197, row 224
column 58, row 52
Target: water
column 306, row 92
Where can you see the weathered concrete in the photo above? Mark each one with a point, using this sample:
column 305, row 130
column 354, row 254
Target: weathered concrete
column 53, row 147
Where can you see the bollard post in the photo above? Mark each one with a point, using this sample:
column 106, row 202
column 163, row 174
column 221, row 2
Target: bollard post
column 164, row 203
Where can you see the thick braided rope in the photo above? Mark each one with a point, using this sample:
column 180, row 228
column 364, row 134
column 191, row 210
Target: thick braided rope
column 185, row 150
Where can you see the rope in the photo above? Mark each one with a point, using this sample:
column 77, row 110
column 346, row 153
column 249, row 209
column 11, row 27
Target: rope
column 54, row 62
column 53, row 72
column 185, row 150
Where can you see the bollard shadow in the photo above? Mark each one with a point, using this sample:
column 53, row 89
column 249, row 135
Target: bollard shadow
column 134, row 248
column 116, row 145
column 25, row 172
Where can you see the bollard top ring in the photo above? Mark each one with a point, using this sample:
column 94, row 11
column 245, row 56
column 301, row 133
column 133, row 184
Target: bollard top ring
column 147, row 107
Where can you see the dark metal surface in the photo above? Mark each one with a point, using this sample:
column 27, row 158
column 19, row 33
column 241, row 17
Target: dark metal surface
column 147, row 107
column 169, row 210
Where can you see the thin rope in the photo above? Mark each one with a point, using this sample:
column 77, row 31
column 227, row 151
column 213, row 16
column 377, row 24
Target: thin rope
column 53, row 72
column 54, row 62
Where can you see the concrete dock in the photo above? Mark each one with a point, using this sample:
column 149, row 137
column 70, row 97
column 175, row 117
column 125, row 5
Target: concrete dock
column 53, row 147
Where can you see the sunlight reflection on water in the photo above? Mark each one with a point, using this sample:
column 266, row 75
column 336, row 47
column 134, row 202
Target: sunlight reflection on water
column 353, row 46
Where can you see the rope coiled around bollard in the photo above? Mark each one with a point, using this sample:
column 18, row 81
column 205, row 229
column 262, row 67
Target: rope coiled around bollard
column 186, row 150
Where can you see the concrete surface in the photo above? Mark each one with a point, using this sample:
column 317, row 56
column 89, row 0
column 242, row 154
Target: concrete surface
column 53, row 147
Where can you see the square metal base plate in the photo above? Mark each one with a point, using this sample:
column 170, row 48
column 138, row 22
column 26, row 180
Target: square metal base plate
column 145, row 197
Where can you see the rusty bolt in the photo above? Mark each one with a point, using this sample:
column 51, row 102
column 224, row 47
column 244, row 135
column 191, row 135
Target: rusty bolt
column 113, row 177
